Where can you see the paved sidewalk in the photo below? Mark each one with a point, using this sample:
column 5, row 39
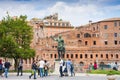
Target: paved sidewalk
column 78, row 76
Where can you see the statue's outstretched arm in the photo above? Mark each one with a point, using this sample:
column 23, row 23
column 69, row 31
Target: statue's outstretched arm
column 53, row 38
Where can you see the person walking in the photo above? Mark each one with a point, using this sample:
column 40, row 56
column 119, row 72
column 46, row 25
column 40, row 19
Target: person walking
column 41, row 66
column 72, row 69
column 115, row 67
column 7, row 66
column 34, row 68
column 1, row 68
column 61, row 68
column 90, row 67
column 46, row 68
column 95, row 65
column 20, row 67
column 68, row 64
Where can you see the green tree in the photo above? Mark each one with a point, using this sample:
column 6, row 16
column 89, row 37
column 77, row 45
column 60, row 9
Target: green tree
column 15, row 38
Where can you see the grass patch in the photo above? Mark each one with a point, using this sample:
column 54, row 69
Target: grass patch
column 25, row 71
column 107, row 72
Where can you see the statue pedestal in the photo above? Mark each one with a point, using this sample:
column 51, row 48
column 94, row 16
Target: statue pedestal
column 57, row 65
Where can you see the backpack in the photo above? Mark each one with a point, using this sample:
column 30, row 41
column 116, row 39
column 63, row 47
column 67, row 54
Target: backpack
column 1, row 66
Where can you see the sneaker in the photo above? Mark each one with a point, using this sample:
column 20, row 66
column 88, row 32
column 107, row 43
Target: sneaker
column 29, row 77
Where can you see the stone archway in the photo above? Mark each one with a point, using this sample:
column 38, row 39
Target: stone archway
column 81, row 63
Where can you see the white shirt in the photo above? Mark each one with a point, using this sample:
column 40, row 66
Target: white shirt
column 41, row 64
column 61, row 62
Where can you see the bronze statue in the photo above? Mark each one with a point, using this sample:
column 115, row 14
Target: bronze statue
column 60, row 47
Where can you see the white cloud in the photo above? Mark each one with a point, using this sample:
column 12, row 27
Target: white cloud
column 76, row 13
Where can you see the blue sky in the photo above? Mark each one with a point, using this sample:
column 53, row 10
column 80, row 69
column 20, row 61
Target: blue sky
column 78, row 12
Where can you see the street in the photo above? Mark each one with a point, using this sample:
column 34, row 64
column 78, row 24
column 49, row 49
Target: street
column 56, row 77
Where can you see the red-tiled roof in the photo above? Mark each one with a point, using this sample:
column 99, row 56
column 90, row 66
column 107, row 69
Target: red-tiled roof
column 110, row 19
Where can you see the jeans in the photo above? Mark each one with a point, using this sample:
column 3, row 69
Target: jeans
column 6, row 72
column 34, row 74
column 61, row 73
column 20, row 70
column 41, row 72
column 45, row 72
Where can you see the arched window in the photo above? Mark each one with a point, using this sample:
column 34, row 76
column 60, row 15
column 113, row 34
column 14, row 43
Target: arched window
column 101, row 63
column 71, row 55
column 107, row 56
column 81, row 63
column 101, row 55
column 51, row 55
column 25, row 61
column 116, row 55
column 55, row 56
column 67, row 55
column 111, row 55
column 93, row 28
column 63, row 55
column 96, row 55
column 79, row 41
column 81, row 56
column 86, row 35
column 78, row 35
column 76, row 55
column 91, row 56
column 86, row 56
column 29, row 60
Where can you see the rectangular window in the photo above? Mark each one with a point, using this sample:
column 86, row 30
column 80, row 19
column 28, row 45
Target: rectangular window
column 51, row 24
column 78, row 35
column 115, row 23
column 105, row 26
column 54, row 24
column 106, row 43
column 63, row 24
column 86, row 43
column 94, row 35
column 115, row 34
column 58, row 24
column 67, row 24
column 115, row 42
column 94, row 42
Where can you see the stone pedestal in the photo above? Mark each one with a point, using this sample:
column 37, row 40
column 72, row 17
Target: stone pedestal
column 111, row 77
column 57, row 65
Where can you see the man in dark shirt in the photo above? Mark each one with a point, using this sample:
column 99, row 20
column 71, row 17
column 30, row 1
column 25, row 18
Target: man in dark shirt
column 7, row 66
column 20, row 67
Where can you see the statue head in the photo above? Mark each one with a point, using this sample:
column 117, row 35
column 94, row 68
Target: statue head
column 60, row 36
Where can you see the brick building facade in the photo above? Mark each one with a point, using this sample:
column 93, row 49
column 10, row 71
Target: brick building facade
column 99, row 41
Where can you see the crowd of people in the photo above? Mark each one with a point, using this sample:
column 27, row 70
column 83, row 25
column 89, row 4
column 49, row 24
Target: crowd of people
column 41, row 67
column 4, row 67
column 66, row 68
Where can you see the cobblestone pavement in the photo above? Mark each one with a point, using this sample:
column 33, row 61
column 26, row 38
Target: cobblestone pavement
column 56, row 77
